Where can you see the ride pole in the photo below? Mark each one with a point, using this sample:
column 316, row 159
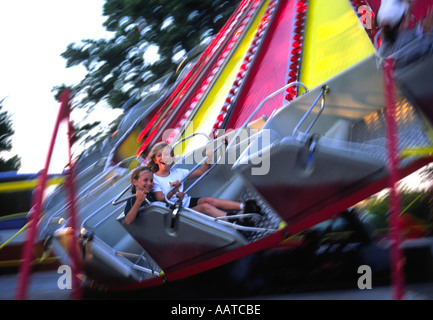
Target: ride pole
column 74, row 253
column 397, row 258
column 35, row 212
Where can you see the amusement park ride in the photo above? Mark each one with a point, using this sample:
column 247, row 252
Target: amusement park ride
column 302, row 115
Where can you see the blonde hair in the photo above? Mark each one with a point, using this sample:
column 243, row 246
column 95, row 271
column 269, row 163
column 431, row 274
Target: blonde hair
column 136, row 174
column 151, row 156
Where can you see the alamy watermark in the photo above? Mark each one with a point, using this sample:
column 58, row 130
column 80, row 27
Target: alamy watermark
column 365, row 280
column 65, row 280
column 365, row 19
column 255, row 144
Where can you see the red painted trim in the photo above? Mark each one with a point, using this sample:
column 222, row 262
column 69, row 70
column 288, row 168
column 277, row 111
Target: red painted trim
column 225, row 258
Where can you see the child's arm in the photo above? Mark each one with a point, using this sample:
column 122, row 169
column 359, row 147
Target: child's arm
column 427, row 23
column 199, row 172
column 159, row 195
column 140, row 196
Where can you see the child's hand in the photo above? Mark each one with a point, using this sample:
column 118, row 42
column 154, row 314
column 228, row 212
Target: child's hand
column 140, row 196
column 427, row 23
column 176, row 184
column 180, row 195
column 209, row 155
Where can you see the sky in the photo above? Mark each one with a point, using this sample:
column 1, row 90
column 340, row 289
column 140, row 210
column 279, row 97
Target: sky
column 33, row 34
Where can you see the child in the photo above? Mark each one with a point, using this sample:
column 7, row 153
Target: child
column 401, row 37
column 142, row 184
column 161, row 160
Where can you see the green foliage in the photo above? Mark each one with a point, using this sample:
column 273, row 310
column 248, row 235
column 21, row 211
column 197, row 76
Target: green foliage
column 376, row 210
column 121, row 67
column 416, row 202
column 427, row 173
column 6, row 132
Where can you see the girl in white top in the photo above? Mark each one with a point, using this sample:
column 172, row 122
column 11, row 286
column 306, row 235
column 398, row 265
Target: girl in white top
column 161, row 160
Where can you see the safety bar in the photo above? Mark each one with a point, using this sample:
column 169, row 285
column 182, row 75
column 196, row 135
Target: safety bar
column 108, row 216
column 231, row 224
column 400, row 52
column 192, row 170
column 191, row 136
column 184, row 139
column 92, row 228
column 136, row 266
column 89, row 186
column 324, row 90
column 291, row 84
column 117, row 201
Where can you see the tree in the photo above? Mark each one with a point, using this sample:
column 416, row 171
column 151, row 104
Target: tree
column 122, row 67
column 417, row 203
column 6, row 132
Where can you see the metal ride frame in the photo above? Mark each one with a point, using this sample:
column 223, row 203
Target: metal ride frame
column 397, row 272
column 35, row 212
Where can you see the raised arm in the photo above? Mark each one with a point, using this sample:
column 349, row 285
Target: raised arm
column 199, row 172
column 140, row 196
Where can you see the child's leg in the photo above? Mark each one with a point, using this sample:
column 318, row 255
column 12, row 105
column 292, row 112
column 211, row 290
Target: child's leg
column 222, row 204
column 209, row 209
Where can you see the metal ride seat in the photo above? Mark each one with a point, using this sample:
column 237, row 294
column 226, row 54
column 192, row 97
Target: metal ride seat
column 331, row 153
column 412, row 58
column 311, row 151
column 101, row 185
column 180, row 237
column 176, row 237
column 415, row 81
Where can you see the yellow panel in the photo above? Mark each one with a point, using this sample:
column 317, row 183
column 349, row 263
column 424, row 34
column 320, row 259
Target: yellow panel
column 14, row 186
column 334, row 41
column 208, row 112
column 129, row 146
